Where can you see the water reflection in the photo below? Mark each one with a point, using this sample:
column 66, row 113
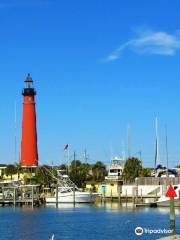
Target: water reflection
column 68, row 205
column 111, row 206
column 105, row 206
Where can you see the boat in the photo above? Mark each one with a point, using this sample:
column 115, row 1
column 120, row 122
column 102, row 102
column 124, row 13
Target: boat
column 163, row 172
column 165, row 201
column 70, row 196
column 115, row 169
column 68, row 192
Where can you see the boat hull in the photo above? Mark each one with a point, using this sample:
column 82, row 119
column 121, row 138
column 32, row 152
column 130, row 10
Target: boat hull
column 166, row 203
column 78, row 197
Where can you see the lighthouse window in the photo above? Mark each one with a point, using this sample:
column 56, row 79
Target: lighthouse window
column 29, row 99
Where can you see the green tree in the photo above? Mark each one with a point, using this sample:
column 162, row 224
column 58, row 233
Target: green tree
column 63, row 167
column 78, row 172
column 99, row 171
column 146, row 172
column 132, row 168
column 45, row 175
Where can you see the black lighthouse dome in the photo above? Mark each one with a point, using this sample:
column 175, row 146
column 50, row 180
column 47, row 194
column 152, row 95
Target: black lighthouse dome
column 28, row 89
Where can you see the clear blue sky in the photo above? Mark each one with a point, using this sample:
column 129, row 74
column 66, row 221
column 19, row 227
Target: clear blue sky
column 98, row 65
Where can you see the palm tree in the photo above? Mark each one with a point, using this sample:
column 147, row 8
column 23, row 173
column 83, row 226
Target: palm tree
column 132, row 168
column 99, row 171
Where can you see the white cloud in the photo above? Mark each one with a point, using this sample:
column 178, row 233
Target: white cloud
column 149, row 42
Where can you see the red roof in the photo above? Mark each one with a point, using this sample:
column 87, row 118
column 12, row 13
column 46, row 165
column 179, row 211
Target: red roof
column 170, row 192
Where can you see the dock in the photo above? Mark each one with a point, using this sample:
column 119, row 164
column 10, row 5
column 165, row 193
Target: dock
column 21, row 195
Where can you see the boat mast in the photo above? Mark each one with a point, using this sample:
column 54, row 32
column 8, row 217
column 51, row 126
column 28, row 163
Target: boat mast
column 167, row 154
column 85, row 155
column 157, row 156
column 129, row 141
column 15, row 132
column 123, row 151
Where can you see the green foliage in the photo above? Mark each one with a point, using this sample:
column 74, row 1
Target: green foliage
column 44, row 175
column 78, row 172
column 63, row 167
column 132, row 168
column 99, row 171
column 146, row 172
column 10, row 170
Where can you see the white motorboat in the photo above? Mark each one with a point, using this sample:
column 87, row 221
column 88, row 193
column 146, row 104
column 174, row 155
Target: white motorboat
column 164, row 201
column 115, row 169
column 68, row 192
column 70, row 196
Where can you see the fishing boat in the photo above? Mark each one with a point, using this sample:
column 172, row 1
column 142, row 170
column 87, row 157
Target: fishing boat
column 68, row 192
column 115, row 169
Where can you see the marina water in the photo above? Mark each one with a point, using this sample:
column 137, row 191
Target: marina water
column 102, row 221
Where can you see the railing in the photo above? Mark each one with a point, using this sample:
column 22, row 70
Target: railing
column 157, row 181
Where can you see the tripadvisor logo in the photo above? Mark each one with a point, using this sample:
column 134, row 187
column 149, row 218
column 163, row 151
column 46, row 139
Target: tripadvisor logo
column 139, row 231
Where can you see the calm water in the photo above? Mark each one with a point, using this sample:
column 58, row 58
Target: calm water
column 84, row 222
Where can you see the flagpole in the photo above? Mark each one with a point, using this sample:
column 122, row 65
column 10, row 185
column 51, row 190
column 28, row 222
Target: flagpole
column 66, row 149
column 15, row 131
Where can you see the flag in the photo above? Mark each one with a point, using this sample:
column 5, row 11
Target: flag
column 66, row 147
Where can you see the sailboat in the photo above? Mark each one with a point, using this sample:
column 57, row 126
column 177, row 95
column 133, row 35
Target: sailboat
column 169, row 173
column 158, row 168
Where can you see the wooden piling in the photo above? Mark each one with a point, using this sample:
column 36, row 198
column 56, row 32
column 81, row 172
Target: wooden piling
column 119, row 197
column 56, row 195
column 156, row 195
column 74, row 197
column 141, row 196
column 14, row 196
column 32, row 193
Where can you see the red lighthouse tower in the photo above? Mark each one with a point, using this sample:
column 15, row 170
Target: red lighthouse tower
column 29, row 151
